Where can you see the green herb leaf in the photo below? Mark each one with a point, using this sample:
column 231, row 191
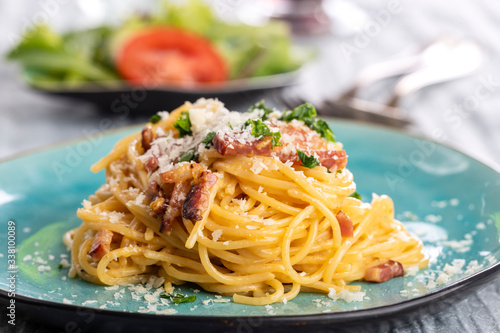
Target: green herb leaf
column 155, row 118
column 339, row 171
column 183, row 125
column 307, row 113
column 179, row 298
column 259, row 129
column 275, row 142
column 208, row 139
column 322, row 128
column 188, row 156
column 356, row 195
column 301, row 112
column 308, row 161
column 261, row 106
column 60, row 266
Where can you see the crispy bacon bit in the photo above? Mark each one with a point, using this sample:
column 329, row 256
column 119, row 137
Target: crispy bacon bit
column 179, row 194
column 147, row 137
column 181, row 178
column 151, row 164
column 345, row 223
column 332, row 159
column 182, row 173
column 226, row 146
column 302, row 138
column 197, row 199
column 384, row 272
column 152, row 192
column 158, row 207
column 101, row 244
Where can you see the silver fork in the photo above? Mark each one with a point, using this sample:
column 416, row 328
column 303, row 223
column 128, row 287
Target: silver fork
column 443, row 60
column 356, row 109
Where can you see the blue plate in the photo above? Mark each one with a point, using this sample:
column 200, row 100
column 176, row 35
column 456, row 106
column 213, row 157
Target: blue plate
column 448, row 199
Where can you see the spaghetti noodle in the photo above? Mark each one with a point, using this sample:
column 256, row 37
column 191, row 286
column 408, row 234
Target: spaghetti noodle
column 255, row 205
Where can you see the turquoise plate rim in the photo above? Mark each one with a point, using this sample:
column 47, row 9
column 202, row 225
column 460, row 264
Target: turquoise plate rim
column 474, row 281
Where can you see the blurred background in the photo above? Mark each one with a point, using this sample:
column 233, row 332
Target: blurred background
column 343, row 36
column 447, row 52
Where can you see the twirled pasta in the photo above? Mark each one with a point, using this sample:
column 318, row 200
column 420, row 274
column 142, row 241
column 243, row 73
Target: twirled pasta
column 270, row 229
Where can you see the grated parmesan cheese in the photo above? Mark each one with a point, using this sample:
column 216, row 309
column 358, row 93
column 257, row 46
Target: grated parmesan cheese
column 115, row 287
column 140, row 199
column 150, row 298
column 442, row 278
column 346, row 295
column 93, row 301
column 411, row 270
column 258, row 165
column 86, row 204
column 433, row 218
column 216, row 235
column 64, row 263
column 431, row 285
column 455, row 267
column 473, row 267
column 481, row 226
column 219, row 299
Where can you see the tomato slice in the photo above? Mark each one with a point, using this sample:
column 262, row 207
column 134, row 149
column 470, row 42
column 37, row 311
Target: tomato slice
column 164, row 55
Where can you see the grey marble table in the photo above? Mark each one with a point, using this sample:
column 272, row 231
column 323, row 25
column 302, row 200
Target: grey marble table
column 464, row 113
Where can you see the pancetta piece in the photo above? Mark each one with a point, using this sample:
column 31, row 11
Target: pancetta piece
column 384, row 272
column 228, row 146
column 174, row 207
column 147, row 137
column 197, row 200
column 101, row 244
column 301, row 138
column 345, row 223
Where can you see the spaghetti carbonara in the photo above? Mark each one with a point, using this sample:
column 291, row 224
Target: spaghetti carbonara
column 255, row 205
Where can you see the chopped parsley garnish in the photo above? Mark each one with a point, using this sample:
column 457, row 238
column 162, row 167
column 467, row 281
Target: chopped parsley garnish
column 275, row 142
column 307, row 113
column 155, row 118
column 308, row 161
column 259, row 129
column 208, row 141
column 179, row 298
column 183, row 125
column 188, row 156
column 356, row 195
column 60, row 266
column 301, row 112
column 339, row 171
column 322, row 128
column 261, row 106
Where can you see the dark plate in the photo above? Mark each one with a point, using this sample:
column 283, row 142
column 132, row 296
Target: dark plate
column 120, row 98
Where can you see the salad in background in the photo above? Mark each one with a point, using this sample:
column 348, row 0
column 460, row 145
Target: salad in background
column 178, row 45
